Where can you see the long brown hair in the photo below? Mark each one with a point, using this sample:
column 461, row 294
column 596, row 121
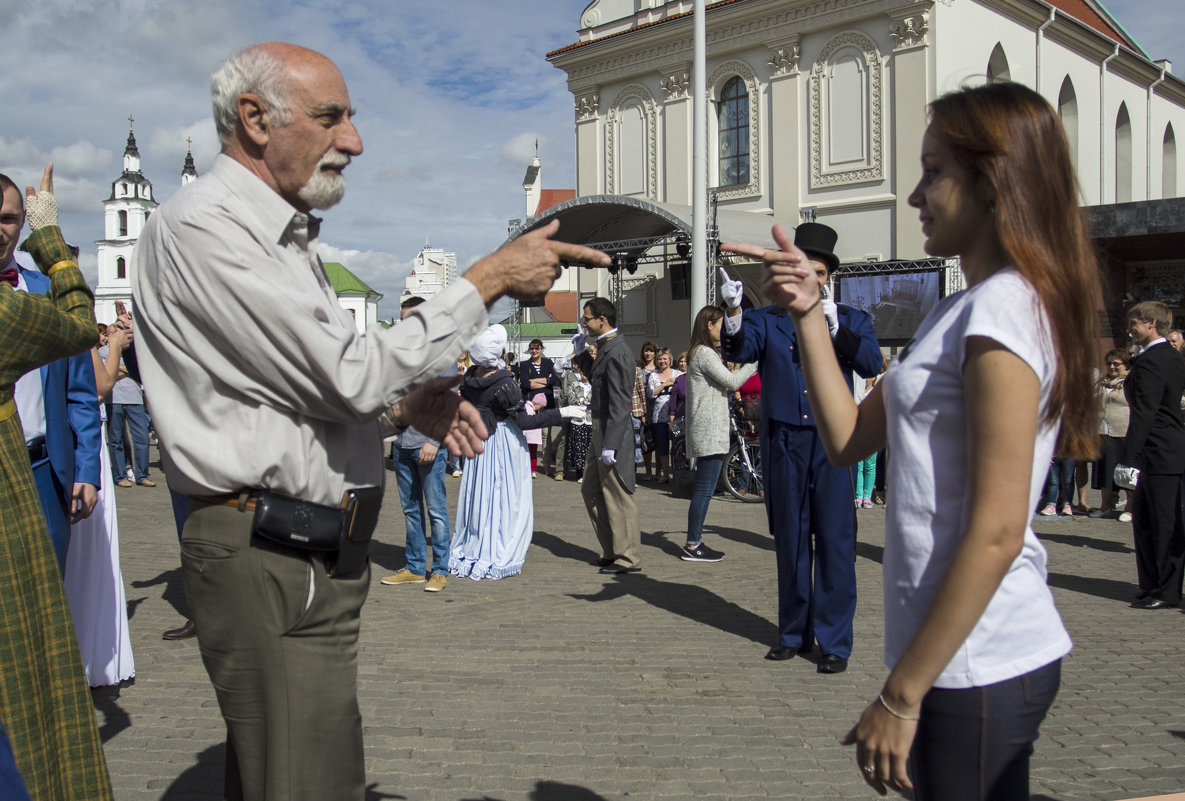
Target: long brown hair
column 700, row 335
column 1009, row 136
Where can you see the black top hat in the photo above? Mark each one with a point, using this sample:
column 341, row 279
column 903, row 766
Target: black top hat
column 818, row 240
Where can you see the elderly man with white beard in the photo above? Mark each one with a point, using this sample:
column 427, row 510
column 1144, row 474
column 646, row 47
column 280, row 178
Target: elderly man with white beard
column 267, row 402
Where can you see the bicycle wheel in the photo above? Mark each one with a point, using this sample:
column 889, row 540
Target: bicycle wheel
column 679, row 460
column 743, row 481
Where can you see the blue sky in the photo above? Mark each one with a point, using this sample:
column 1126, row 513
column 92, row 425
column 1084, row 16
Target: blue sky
column 451, row 97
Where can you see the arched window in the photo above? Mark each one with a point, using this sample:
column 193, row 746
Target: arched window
column 631, row 144
column 1168, row 164
column 733, row 137
column 123, row 223
column 632, row 140
column 997, row 69
column 121, row 268
column 1067, row 109
column 1123, row 155
column 123, row 189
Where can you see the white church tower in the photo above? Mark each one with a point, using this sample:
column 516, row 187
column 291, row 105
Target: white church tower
column 124, row 213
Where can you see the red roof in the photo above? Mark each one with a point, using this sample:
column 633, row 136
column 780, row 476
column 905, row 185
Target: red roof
column 553, row 197
column 1087, row 12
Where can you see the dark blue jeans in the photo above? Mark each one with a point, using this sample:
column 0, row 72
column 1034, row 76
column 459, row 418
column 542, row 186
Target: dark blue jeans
column 974, row 744
column 137, row 421
column 707, row 474
column 420, row 486
column 1060, row 481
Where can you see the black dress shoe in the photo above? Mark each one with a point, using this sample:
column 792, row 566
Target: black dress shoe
column 830, row 663
column 182, row 633
column 616, row 569
column 780, row 653
column 603, row 561
column 1152, row 603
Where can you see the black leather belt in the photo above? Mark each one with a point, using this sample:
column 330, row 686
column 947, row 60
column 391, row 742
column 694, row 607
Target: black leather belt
column 37, row 450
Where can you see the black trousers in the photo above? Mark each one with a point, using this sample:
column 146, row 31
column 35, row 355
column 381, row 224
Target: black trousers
column 974, row 744
column 1159, row 536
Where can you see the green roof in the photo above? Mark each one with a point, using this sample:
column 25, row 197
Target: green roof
column 345, row 282
column 545, row 330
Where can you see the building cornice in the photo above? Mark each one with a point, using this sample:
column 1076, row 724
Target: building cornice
column 733, row 26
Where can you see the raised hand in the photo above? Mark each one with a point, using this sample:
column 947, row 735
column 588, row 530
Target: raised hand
column 527, row 267
column 731, row 290
column 787, row 278
column 41, row 207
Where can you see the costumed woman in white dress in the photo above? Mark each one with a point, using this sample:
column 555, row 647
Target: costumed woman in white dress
column 495, row 507
column 94, row 582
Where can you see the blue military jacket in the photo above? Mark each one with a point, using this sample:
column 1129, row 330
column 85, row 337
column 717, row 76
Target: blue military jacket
column 767, row 336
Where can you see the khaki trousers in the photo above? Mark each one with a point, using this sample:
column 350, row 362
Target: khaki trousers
column 279, row 639
column 611, row 507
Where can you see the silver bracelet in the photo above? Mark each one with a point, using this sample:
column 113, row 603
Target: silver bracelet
column 894, row 712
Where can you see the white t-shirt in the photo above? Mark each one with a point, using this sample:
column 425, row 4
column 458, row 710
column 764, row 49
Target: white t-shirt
column 928, row 478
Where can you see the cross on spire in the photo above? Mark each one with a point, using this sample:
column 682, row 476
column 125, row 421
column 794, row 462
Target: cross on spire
column 131, row 121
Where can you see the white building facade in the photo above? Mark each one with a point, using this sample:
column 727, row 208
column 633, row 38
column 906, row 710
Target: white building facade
column 817, row 109
column 432, row 270
column 124, row 213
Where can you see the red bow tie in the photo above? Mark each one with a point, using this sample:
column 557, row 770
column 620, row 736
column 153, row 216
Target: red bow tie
column 10, row 275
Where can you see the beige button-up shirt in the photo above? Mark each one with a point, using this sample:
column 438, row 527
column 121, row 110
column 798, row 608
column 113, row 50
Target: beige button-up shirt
column 253, row 374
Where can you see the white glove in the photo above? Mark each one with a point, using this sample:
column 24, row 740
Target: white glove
column 732, row 291
column 41, row 210
column 609, row 457
column 579, row 343
column 1126, row 477
column 831, row 312
column 571, row 412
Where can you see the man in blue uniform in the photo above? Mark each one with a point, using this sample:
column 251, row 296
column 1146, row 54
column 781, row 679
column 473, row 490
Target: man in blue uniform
column 807, row 500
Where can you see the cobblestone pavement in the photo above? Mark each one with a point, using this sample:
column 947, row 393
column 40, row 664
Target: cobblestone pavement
column 564, row 685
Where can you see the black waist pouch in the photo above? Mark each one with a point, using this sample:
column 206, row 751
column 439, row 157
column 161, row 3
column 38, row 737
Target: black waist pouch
column 311, row 526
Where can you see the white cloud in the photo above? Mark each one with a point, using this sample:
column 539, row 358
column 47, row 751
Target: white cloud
column 520, row 149
column 382, row 272
column 81, row 158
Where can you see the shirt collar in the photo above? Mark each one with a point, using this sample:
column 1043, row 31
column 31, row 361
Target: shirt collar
column 276, row 215
column 607, row 334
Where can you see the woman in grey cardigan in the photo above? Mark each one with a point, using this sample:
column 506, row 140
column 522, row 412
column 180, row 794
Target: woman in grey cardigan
column 709, row 384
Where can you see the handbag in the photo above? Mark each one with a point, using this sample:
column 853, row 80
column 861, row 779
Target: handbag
column 647, row 438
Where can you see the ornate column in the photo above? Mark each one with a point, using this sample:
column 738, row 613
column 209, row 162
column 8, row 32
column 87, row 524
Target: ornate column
column 913, row 87
column 675, row 154
column 590, row 178
column 785, row 147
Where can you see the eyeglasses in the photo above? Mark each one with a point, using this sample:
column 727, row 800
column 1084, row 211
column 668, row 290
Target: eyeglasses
column 590, row 319
column 534, row 347
column 1114, row 364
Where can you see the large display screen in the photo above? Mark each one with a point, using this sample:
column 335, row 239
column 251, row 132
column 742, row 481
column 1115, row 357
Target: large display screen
column 898, row 303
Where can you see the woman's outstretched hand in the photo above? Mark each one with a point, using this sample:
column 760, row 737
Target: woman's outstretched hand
column 787, row 278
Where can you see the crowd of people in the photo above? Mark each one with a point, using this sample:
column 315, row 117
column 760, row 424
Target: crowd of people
column 271, row 411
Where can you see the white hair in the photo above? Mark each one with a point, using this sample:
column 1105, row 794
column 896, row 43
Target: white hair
column 250, row 71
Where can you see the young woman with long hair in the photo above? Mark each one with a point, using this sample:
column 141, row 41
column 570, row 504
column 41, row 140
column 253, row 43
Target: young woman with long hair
column 971, row 407
column 709, row 385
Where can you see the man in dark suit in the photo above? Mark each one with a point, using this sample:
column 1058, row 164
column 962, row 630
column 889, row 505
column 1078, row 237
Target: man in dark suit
column 608, row 487
column 58, row 405
column 809, row 502
column 1154, row 456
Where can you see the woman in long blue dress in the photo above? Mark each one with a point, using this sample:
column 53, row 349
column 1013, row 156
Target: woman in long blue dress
column 495, row 508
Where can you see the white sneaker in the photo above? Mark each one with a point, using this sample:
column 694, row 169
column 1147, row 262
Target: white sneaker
column 456, row 474
column 1125, row 517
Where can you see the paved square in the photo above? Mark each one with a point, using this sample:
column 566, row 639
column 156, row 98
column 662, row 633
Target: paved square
column 564, row 685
